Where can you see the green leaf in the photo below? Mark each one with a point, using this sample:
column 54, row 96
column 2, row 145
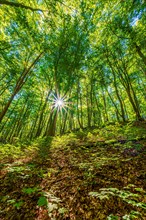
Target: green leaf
column 139, row 189
column 18, row 204
column 112, row 217
column 42, row 201
column 62, row 210
column 29, row 190
column 11, row 201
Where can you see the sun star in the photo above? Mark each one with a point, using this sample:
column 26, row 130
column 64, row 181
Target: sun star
column 59, row 103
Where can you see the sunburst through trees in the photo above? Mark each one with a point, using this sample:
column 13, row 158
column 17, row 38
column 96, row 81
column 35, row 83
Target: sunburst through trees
column 60, row 103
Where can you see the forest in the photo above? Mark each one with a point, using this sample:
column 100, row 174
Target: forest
column 72, row 109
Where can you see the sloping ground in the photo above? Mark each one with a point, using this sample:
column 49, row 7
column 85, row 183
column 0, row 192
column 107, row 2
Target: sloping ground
column 98, row 175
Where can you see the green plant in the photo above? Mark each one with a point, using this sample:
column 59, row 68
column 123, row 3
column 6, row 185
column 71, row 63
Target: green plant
column 127, row 196
column 62, row 210
column 14, row 203
column 42, row 201
column 30, row 190
column 112, row 217
column 18, row 204
column 132, row 215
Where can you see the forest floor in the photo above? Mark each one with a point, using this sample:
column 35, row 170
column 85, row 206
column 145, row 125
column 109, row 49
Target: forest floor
column 97, row 174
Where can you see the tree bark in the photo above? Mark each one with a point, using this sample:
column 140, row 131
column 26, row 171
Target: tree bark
column 18, row 5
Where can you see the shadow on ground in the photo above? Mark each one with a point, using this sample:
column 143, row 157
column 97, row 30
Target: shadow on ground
column 74, row 182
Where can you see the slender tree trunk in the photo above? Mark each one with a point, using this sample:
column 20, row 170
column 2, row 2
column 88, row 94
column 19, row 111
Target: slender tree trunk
column 40, row 123
column 117, row 110
column 116, row 88
column 125, row 80
column 32, row 130
column 99, row 117
column 20, row 82
column 119, row 98
column 52, row 123
column 138, row 49
column 78, row 111
column 105, row 107
column 2, row 114
column 81, row 104
column 64, row 124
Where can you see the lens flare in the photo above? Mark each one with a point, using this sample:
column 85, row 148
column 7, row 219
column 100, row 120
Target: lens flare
column 59, row 103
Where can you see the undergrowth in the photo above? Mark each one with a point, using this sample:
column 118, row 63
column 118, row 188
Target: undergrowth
column 89, row 174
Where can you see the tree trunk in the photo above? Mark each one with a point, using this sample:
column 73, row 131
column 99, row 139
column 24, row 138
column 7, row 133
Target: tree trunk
column 52, row 123
column 20, row 82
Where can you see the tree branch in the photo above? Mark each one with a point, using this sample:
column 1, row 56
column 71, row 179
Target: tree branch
column 19, row 5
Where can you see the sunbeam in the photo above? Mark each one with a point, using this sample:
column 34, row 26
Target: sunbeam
column 59, row 103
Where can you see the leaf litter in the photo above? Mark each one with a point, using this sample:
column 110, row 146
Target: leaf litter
column 76, row 179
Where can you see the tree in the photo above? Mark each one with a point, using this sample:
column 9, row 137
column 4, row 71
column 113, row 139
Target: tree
column 92, row 53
